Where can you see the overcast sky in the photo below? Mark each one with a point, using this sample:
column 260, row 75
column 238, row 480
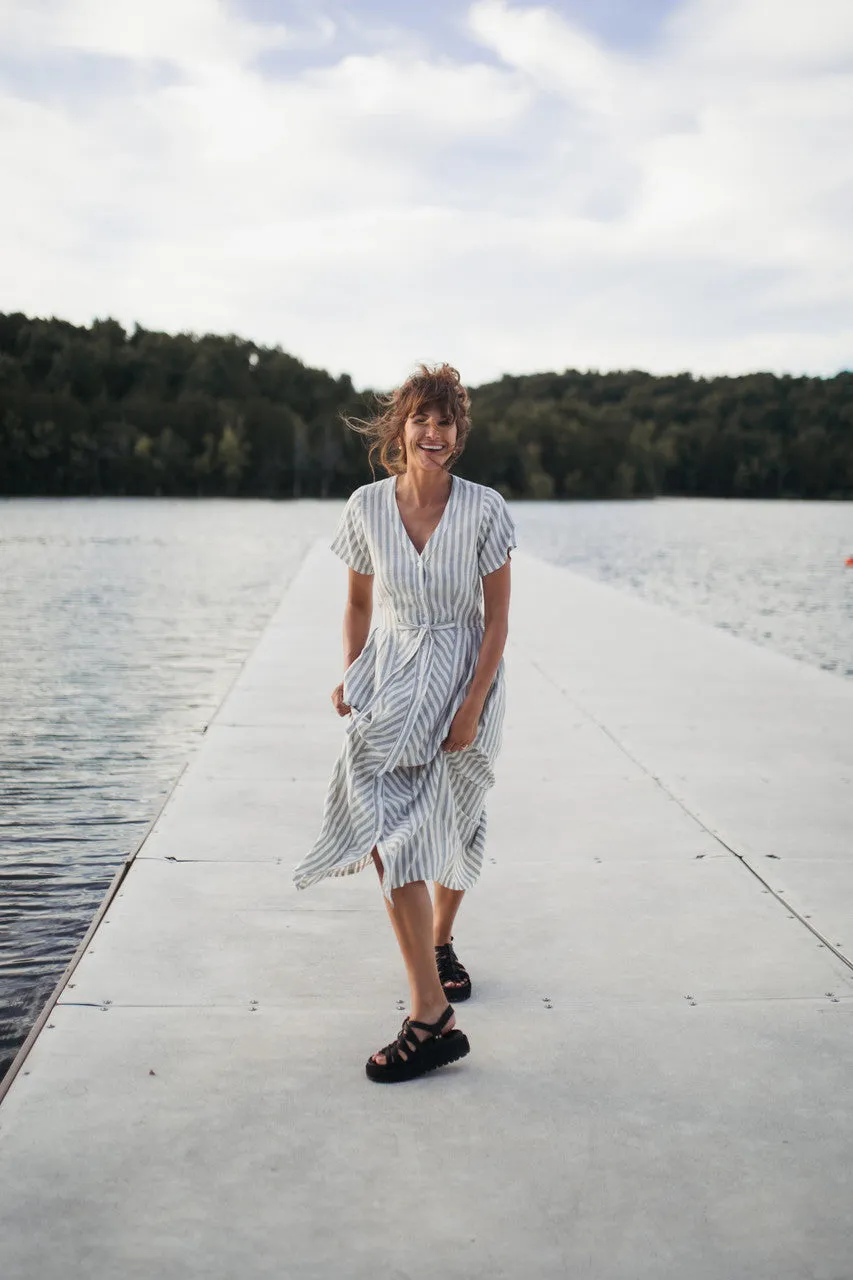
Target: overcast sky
column 657, row 184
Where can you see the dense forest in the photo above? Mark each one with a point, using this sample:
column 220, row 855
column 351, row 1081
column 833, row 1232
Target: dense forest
column 101, row 411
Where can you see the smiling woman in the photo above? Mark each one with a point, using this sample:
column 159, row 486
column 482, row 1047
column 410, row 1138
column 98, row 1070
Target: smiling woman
column 404, row 413
column 425, row 696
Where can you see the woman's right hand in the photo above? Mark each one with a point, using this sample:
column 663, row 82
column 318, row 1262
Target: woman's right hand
column 338, row 700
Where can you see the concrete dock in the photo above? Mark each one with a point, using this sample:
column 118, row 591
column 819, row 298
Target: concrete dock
column 661, row 947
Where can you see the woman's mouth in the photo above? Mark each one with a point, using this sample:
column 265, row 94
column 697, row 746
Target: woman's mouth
column 432, row 448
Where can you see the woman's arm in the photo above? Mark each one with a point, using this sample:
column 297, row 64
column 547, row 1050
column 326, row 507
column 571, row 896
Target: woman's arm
column 496, row 591
column 358, row 613
column 496, row 605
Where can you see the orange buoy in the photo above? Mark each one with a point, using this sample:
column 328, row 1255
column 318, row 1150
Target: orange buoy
column 849, row 562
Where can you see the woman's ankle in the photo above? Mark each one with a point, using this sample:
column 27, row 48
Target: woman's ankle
column 430, row 1013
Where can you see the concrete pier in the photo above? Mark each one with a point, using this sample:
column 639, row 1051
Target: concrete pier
column 661, row 948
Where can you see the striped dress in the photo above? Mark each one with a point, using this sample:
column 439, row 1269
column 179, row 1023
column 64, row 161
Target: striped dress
column 393, row 786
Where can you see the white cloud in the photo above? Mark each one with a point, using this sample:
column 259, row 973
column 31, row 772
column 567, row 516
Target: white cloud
column 197, row 35
column 555, row 203
column 775, row 35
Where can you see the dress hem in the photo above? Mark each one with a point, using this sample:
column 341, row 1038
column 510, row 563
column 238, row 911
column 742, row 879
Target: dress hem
column 357, row 864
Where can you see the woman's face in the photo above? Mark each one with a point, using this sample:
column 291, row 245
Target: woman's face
column 429, row 436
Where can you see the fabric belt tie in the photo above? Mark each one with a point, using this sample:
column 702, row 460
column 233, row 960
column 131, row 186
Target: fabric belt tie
column 433, row 626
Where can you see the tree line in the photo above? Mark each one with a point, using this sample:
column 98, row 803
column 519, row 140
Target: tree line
column 99, row 410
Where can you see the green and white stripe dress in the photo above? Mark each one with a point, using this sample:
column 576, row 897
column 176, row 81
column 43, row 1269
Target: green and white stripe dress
column 393, row 786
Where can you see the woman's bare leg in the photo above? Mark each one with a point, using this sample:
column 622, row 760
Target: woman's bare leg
column 412, row 920
column 446, row 903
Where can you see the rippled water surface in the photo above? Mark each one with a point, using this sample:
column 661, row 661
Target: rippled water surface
column 123, row 622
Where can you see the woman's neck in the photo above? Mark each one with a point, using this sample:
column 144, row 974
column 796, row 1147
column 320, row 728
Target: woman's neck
column 424, row 489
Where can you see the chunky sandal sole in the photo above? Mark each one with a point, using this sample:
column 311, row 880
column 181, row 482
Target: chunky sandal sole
column 431, row 1055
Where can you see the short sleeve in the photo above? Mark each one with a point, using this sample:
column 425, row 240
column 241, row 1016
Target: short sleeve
column 350, row 541
column 497, row 534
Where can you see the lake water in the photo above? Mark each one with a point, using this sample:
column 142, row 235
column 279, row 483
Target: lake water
column 123, row 623
column 772, row 572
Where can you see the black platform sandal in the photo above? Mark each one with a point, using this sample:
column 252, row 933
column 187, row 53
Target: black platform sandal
column 436, row 1050
column 451, row 970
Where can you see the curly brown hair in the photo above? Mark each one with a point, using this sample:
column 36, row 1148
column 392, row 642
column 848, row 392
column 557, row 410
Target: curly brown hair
column 440, row 386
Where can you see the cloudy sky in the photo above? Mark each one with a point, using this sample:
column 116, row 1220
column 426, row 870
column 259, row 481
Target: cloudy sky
column 658, row 184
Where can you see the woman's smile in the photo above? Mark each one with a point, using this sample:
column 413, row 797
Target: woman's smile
column 431, row 431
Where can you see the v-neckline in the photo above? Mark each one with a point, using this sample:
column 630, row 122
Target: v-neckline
column 419, row 555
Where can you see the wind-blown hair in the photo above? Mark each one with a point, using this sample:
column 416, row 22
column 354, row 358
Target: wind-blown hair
column 441, row 386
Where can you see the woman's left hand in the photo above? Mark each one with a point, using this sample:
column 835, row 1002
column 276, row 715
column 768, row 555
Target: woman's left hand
column 463, row 727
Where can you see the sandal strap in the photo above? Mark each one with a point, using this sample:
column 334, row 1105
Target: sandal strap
column 408, row 1043
column 450, row 968
column 434, row 1027
column 403, row 1044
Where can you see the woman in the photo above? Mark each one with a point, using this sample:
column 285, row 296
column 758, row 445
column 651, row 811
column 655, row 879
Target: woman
column 425, row 696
